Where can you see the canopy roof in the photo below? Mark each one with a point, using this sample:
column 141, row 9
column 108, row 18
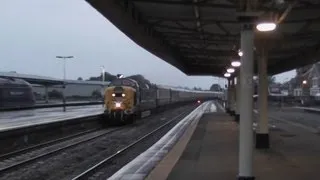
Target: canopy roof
column 201, row 37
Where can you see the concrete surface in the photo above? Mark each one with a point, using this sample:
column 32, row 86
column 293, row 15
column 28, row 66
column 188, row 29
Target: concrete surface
column 212, row 152
column 14, row 119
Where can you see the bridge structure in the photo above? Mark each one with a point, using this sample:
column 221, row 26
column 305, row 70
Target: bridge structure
column 207, row 37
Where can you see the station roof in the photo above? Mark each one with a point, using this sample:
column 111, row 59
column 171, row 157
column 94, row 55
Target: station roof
column 48, row 81
column 201, row 37
column 33, row 79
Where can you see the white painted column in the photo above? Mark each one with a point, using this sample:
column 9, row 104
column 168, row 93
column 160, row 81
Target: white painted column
column 237, row 116
column 102, row 93
column 246, row 105
column 262, row 133
column 228, row 104
column 232, row 96
column 46, row 94
column 64, row 97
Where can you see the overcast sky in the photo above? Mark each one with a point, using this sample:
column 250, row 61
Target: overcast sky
column 34, row 32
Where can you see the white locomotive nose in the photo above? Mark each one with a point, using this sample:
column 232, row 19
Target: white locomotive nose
column 118, row 104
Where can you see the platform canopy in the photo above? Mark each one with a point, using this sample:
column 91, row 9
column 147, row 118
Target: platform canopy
column 202, row 37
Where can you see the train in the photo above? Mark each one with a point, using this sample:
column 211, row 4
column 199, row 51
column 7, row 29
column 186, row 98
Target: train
column 125, row 100
column 15, row 93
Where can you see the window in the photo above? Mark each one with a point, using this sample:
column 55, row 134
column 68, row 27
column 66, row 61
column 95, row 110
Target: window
column 315, row 82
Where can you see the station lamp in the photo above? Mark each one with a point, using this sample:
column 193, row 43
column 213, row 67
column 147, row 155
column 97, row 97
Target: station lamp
column 240, row 53
column 227, row 74
column 266, row 26
column 235, row 63
column 230, row 70
column 304, row 82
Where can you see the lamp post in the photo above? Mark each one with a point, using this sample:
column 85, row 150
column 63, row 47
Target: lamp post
column 102, row 85
column 103, row 73
column 64, row 58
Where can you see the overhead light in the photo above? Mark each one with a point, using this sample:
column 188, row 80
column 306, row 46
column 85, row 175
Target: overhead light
column 235, row 63
column 304, row 82
column 240, row 53
column 230, row 70
column 263, row 27
column 227, row 74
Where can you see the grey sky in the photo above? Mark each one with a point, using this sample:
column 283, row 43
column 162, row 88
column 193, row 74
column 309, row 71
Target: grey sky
column 33, row 32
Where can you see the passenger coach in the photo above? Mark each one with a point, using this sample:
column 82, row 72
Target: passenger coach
column 125, row 99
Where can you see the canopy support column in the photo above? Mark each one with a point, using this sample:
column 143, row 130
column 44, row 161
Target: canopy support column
column 262, row 134
column 246, row 104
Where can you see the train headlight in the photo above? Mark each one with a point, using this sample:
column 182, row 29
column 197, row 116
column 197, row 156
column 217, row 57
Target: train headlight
column 113, row 94
column 123, row 95
column 118, row 104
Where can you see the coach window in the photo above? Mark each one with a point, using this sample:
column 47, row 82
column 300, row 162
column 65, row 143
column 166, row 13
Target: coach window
column 315, row 82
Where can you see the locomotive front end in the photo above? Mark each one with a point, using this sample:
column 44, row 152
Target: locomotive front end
column 119, row 103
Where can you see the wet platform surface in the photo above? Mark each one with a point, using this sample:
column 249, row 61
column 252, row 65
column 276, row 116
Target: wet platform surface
column 41, row 102
column 14, row 119
column 212, row 153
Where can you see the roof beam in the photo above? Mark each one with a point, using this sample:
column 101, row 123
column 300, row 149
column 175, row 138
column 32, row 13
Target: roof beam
column 310, row 56
column 214, row 5
column 186, row 3
column 201, row 42
column 183, row 38
column 306, row 26
column 222, row 28
column 286, row 12
column 205, row 20
column 191, row 30
column 212, row 20
column 207, row 35
column 201, row 59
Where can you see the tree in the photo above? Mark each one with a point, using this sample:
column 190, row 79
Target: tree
column 80, row 79
column 215, row 87
column 107, row 77
column 142, row 81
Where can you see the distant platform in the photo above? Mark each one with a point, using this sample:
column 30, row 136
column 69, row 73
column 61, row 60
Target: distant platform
column 24, row 118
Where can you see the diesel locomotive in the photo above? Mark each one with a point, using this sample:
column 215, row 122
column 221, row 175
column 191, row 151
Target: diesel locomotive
column 125, row 100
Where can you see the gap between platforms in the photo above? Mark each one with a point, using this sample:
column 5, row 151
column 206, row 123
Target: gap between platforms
column 310, row 129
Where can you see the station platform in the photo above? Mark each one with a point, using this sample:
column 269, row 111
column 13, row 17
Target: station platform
column 60, row 102
column 24, row 118
column 209, row 150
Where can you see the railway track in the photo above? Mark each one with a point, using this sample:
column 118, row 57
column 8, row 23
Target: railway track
column 95, row 170
column 23, row 157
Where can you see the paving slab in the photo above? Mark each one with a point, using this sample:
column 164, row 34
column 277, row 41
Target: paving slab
column 212, row 152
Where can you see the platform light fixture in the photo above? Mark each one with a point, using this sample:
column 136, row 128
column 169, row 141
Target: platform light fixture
column 304, row 82
column 230, row 70
column 235, row 63
column 227, row 74
column 240, row 53
column 266, row 26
